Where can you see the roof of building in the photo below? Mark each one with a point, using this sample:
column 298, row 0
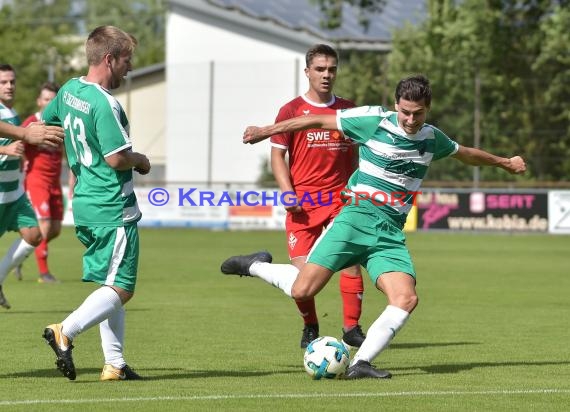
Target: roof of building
column 303, row 18
column 143, row 71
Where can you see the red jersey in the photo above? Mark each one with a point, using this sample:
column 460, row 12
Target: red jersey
column 42, row 162
column 320, row 161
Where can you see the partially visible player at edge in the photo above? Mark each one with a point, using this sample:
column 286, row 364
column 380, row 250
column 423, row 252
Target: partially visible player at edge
column 318, row 167
column 395, row 153
column 16, row 213
column 43, row 186
column 105, row 209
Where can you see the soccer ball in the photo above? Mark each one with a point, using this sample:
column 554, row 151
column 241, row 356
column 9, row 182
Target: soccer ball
column 326, row 357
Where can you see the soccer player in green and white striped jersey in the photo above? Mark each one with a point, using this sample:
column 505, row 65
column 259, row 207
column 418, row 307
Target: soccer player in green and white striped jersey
column 105, row 210
column 396, row 151
column 16, row 213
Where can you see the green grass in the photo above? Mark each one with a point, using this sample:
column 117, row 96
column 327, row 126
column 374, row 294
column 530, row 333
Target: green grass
column 491, row 331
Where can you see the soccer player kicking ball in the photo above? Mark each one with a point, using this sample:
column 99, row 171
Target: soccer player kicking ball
column 396, row 151
column 105, row 210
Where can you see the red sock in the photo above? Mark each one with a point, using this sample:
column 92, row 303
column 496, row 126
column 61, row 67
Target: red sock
column 351, row 290
column 41, row 256
column 308, row 311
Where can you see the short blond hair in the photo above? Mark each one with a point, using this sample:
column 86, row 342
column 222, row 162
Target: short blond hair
column 108, row 40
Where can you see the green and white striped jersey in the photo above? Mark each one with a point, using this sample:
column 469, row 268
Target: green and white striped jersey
column 11, row 187
column 392, row 164
column 96, row 126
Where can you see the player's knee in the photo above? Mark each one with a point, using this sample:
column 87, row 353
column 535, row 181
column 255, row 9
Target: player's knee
column 407, row 301
column 124, row 295
column 413, row 302
column 352, row 271
column 301, row 293
column 33, row 238
column 53, row 234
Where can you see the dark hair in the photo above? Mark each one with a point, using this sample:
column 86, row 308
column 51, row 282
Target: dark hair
column 52, row 87
column 6, row 68
column 317, row 49
column 414, row 89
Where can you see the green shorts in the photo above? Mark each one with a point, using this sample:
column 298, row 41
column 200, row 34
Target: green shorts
column 17, row 215
column 362, row 234
column 112, row 255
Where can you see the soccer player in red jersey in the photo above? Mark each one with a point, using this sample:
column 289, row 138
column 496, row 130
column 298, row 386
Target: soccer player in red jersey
column 43, row 186
column 320, row 163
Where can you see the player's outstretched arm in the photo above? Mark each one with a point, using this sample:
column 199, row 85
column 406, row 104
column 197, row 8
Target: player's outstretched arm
column 36, row 133
column 11, row 131
column 254, row 134
column 478, row 157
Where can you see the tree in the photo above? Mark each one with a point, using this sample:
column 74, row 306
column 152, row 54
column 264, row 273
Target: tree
column 332, row 11
column 44, row 40
column 504, row 62
column 362, row 77
column 35, row 41
column 266, row 177
column 145, row 19
column 498, row 43
column 553, row 63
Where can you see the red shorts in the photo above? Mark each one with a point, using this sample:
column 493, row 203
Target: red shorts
column 304, row 228
column 46, row 199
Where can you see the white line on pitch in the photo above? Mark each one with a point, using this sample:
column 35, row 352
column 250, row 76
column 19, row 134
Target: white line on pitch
column 286, row 396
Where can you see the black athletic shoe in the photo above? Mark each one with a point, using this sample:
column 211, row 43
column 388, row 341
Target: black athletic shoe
column 239, row 265
column 62, row 347
column 310, row 333
column 3, row 301
column 354, row 337
column 364, row 370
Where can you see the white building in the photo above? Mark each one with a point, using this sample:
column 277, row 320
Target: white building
column 142, row 97
column 233, row 63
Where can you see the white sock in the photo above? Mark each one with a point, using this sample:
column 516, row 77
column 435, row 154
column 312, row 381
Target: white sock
column 381, row 332
column 112, row 332
column 97, row 307
column 17, row 253
column 279, row 275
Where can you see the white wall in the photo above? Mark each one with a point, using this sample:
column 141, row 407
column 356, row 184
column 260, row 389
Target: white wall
column 252, row 79
column 144, row 105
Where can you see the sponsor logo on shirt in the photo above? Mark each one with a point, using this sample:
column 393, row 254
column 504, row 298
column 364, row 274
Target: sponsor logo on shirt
column 324, row 135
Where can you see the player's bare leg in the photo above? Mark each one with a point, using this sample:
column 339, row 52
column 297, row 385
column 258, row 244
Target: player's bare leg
column 400, row 291
column 50, row 229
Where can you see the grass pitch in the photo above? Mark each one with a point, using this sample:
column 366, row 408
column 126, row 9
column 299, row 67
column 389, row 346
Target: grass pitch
column 491, row 331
